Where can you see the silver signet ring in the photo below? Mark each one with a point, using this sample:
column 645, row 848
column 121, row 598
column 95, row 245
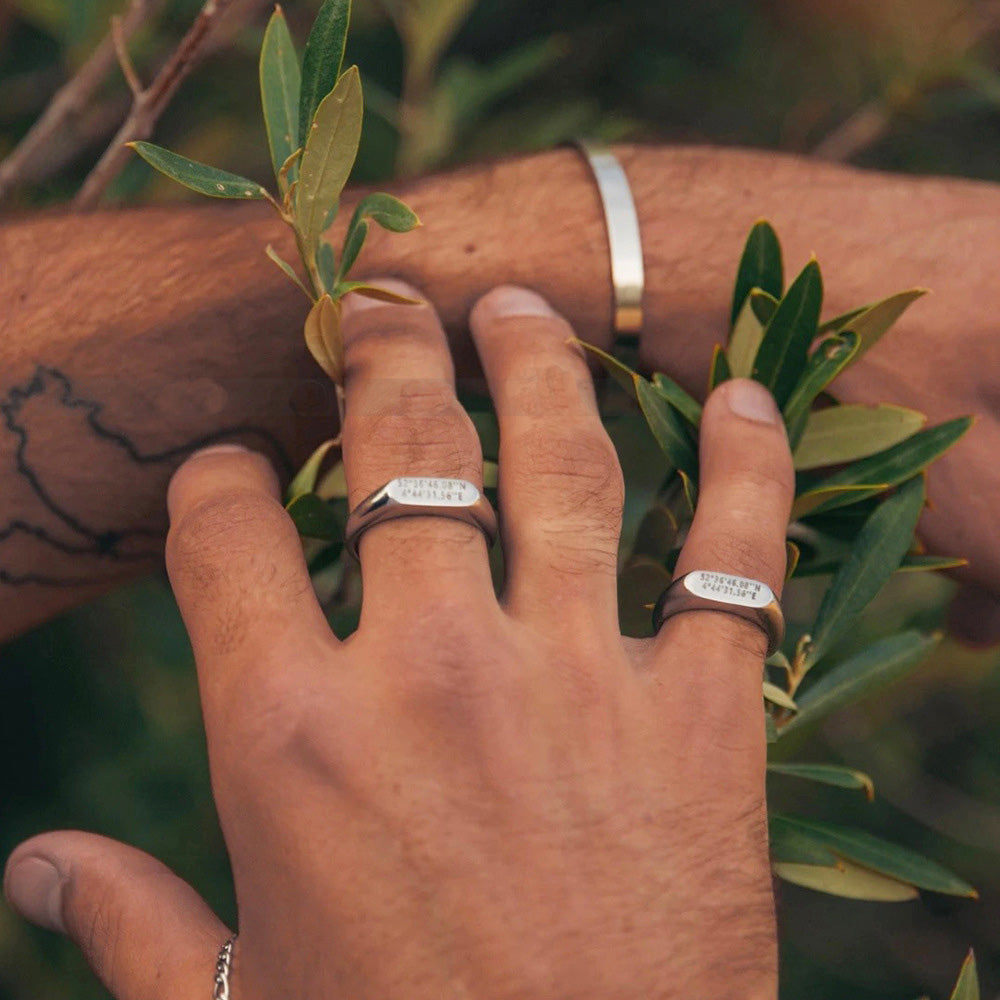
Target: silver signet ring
column 413, row 496
column 705, row 590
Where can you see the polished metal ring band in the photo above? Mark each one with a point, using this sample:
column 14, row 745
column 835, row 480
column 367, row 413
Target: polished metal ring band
column 704, row 590
column 457, row 499
column 624, row 243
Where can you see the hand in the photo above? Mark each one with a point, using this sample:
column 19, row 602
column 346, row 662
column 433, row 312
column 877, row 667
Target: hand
column 469, row 797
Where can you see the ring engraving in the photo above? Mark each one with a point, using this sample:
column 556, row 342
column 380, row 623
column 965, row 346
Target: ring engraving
column 729, row 589
column 430, row 492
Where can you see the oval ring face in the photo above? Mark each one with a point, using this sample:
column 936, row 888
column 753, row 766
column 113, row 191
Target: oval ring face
column 728, row 589
column 429, row 492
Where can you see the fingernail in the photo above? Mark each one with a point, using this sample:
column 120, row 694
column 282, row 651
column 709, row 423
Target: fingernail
column 353, row 304
column 218, row 449
column 750, row 400
column 510, row 300
column 34, row 888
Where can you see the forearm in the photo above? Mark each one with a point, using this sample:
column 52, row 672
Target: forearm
column 132, row 337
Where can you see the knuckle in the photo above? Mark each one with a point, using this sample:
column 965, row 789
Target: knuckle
column 552, row 389
column 424, row 429
column 219, row 527
column 581, row 463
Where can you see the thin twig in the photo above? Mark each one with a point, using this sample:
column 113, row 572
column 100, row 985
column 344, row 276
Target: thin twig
column 70, row 100
column 151, row 102
column 124, row 58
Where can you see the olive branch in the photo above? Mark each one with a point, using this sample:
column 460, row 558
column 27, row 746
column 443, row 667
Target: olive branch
column 860, row 470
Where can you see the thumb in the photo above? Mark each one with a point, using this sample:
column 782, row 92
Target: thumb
column 145, row 932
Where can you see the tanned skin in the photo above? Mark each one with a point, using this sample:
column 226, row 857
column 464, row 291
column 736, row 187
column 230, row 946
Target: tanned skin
column 130, row 339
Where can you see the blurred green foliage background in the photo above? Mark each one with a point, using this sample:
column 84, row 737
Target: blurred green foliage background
column 99, row 719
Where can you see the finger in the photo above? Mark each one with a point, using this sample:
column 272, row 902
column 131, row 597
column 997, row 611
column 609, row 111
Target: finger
column 236, row 564
column 561, row 489
column 745, row 496
column 402, row 418
column 146, row 933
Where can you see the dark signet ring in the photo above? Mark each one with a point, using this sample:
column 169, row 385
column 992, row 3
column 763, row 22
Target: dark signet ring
column 457, row 499
column 704, row 590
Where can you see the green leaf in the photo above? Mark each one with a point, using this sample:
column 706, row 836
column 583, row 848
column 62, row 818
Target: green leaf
column 867, row 851
column 667, row 427
column 792, row 555
column 198, row 176
column 744, row 342
column 871, row 322
column 719, row 371
column 828, row 774
column 825, row 497
column 778, row 696
column 376, row 292
column 385, row 210
column 824, row 365
column 322, row 61
column 848, row 880
column 760, row 267
column 330, row 151
column 874, row 667
column 967, row 987
column 352, row 248
column 898, row 463
column 688, row 407
column 784, row 349
column 845, row 433
column 314, row 518
column 690, row 490
column 280, row 87
column 620, row 372
column 288, row 270
column 326, row 265
column 305, row 479
column 875, row 555
column 770, row 730
column 914, row 563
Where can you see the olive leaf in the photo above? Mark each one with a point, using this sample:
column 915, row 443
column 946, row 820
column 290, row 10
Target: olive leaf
column 967, row 986
column 305, row 479
column 825, row 363
column 784, row 347
column 288, row 270
column 778, row 696
column 845, row 433
column 385, row 210
column 323, row 338
column 797, row 840
column 353, row 244
column 825, row 497
column 719, row 370
column 315, row 518
column 330, row 150
column 198, row 176
column 846, row 879
column 893, row 465
column 871, row 322
column 322, row 60
column 688, row 407
column 852, row 679
column 667, row 427
column 760, row 267
column 827, row 774
column 744, row 341
column 877, row 552
column 280, row 87
column 326, row 267
column 376, row 292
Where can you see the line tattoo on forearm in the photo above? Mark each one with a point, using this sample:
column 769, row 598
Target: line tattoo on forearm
column 49, row 537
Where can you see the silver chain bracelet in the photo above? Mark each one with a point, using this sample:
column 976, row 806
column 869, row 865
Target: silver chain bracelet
column 223, row 967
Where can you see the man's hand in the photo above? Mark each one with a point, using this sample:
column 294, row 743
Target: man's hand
column 470, row 797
